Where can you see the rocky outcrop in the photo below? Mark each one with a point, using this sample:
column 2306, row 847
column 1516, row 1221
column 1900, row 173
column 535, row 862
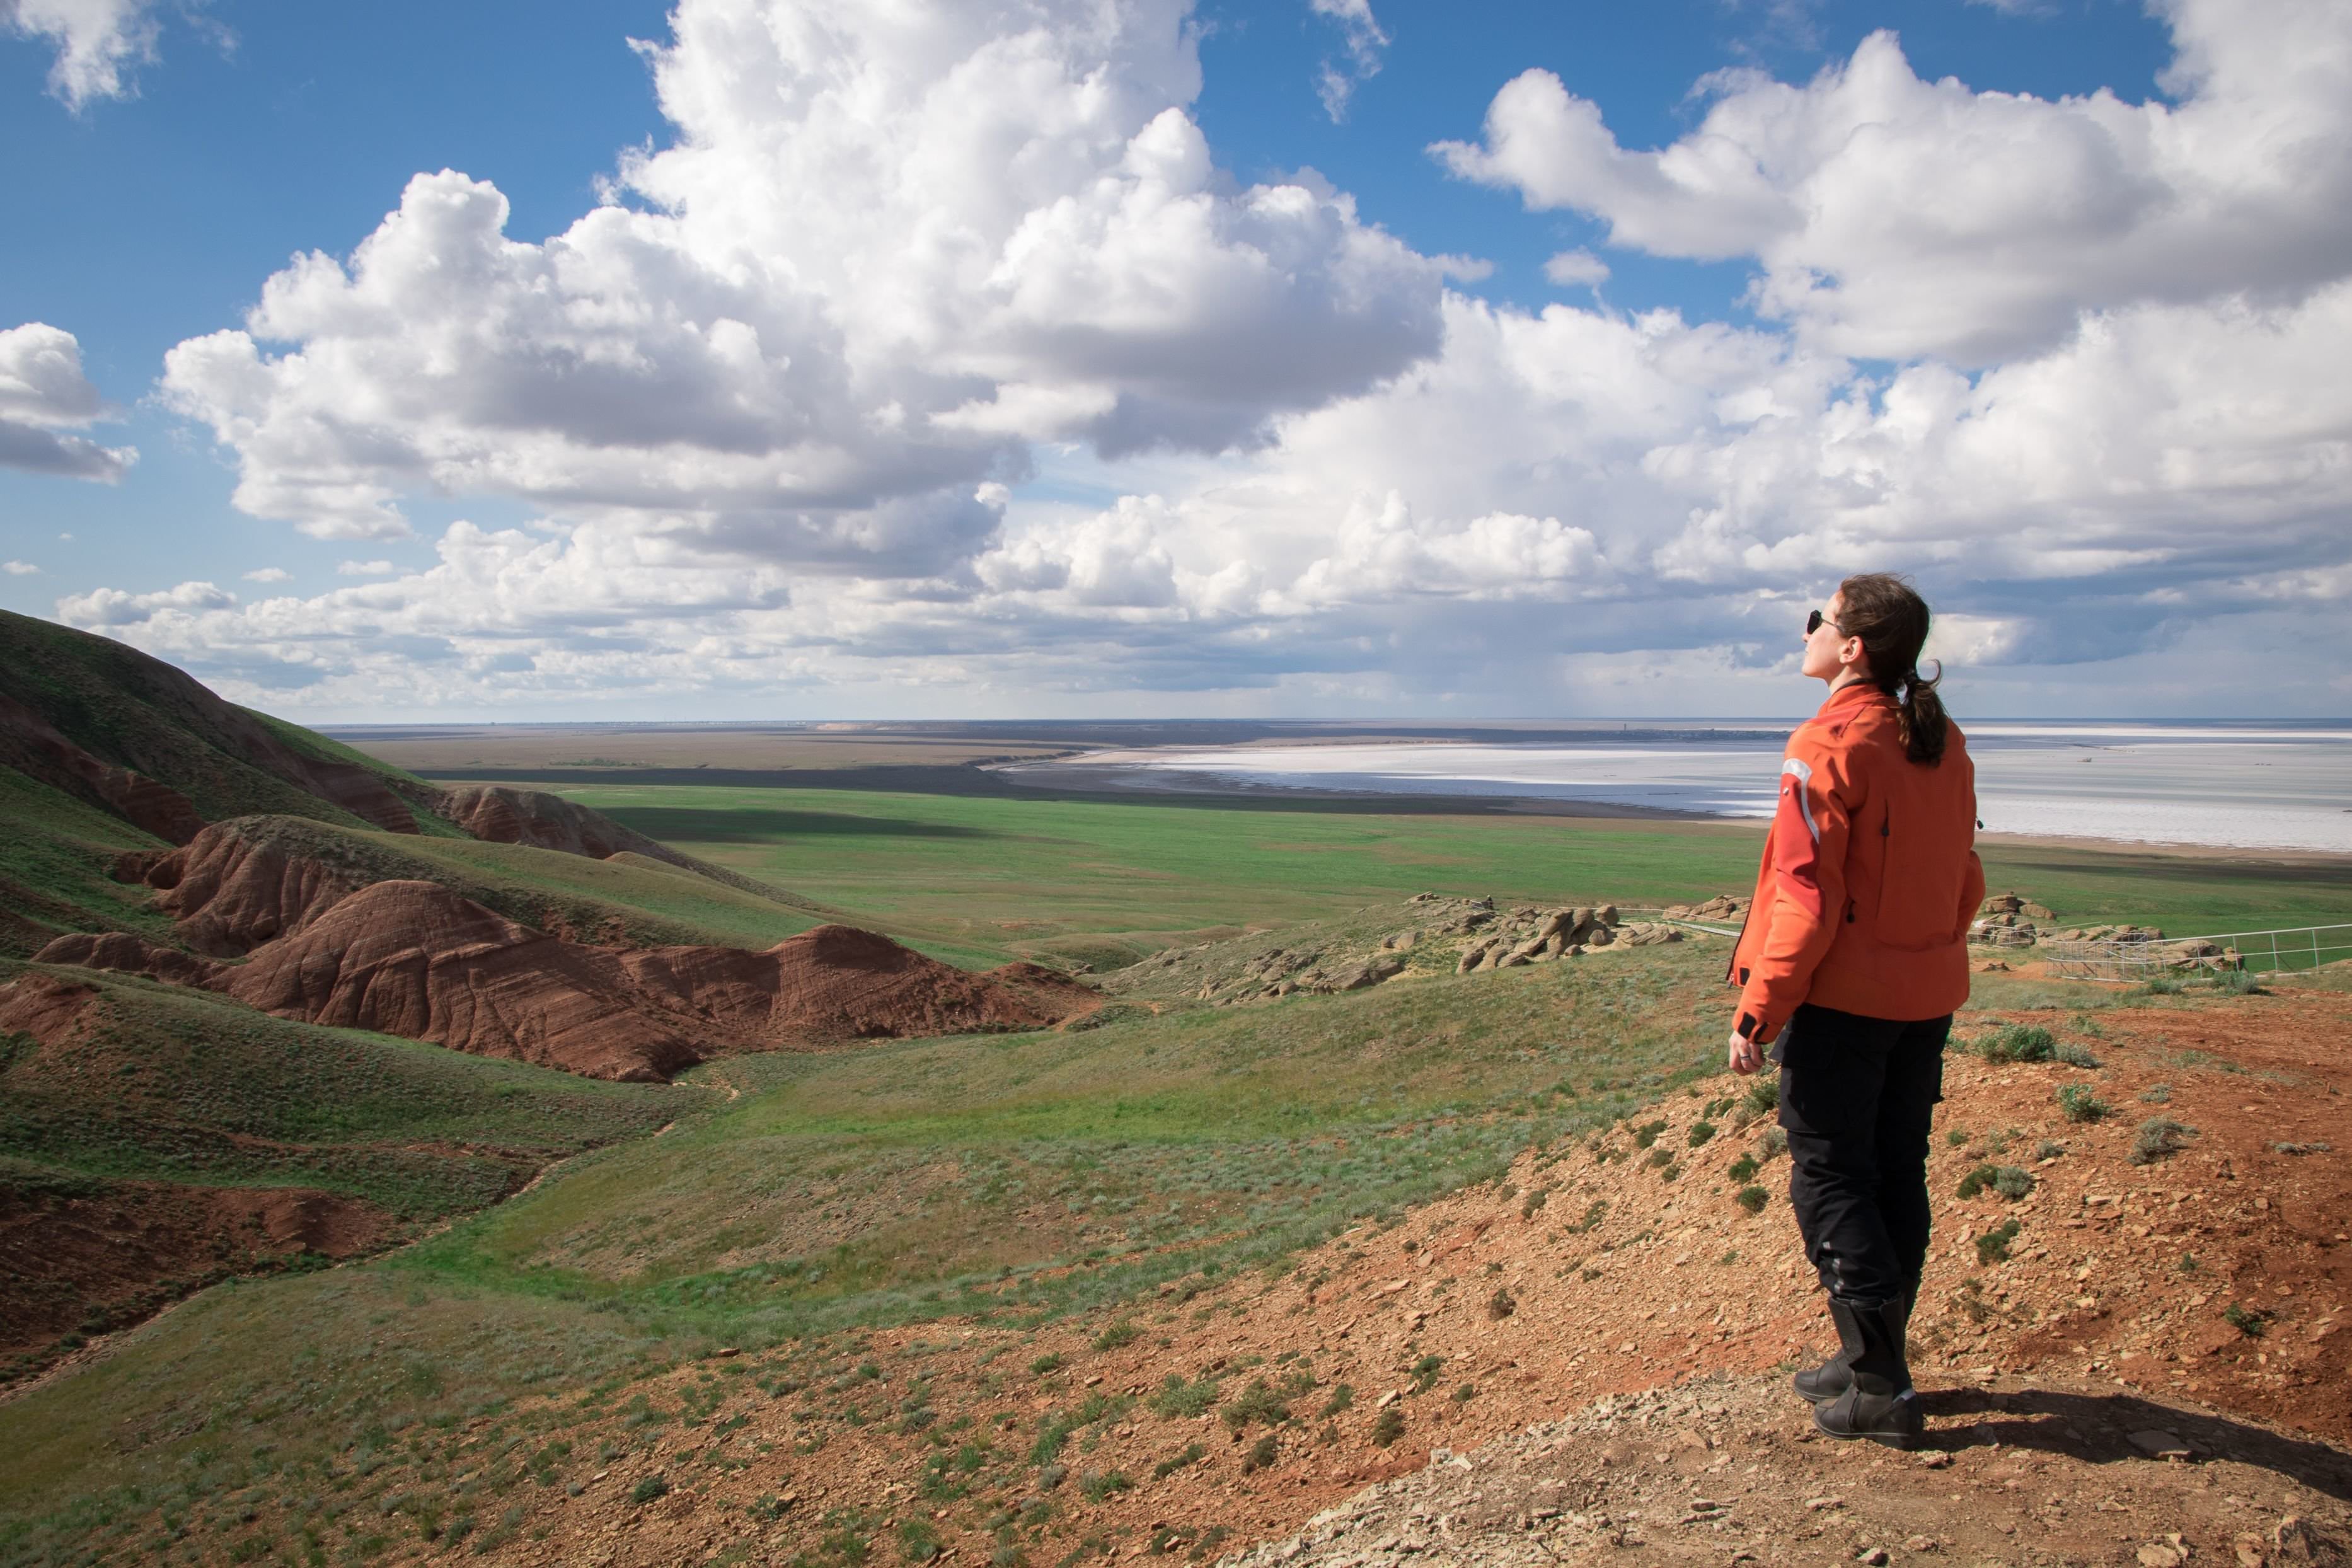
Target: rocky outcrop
column 416, row 960
column 127, row 955
column 231, row 890
column 499, row 814
column 838, row 982
column 1722, row 906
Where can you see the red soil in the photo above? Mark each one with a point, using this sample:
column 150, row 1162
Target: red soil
column 1624, row 1280
column 113, row 1257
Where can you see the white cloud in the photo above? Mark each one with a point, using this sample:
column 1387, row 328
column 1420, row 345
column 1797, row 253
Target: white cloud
column 775, row 409
column 1363, row 38
column 360, row 569
column 18, row 568
column 1576, row 269
column 879, row 259
column 1895, row 217
column 43, row 394
column 268, row 575
column 99, row 42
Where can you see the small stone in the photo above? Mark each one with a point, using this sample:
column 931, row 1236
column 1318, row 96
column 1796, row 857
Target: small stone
column 1919, row 1544
column 2161, row 1554
column 1874, row 1555
column 1818, row 1503
column 2248, row 1548
column 1936, row 1460
column 2159, row 1444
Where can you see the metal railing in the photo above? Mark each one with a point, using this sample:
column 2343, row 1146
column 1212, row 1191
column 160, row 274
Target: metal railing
column 2288, row 950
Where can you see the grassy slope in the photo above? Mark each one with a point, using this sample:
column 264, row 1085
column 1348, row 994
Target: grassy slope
column 1139, row 1152
column 183, row 1086
column 1027, row 872
column 54, row 854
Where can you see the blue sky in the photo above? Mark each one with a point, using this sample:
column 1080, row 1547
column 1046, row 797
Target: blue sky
column 246, row 134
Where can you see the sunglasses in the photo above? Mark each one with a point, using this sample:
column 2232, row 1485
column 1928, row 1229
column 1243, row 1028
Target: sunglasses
column 1816, row 620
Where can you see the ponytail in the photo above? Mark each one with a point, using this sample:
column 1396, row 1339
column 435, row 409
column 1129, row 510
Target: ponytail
column 1919, row 716
column 1891, row 619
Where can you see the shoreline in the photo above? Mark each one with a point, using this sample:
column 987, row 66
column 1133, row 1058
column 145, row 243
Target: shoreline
column 1109, row 777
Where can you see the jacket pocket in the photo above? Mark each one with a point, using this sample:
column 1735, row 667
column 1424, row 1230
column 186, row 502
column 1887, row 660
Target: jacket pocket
column 1919, row 884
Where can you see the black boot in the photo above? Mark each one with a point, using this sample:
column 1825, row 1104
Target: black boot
column 1835, row 1376
column 1878, row 1403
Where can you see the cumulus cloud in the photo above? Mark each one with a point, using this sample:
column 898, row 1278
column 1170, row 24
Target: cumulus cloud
column 44, row 396
column 99, row 42
column 1362, row 39
column 362, row 569
column 18, row 568
column 878, row 259
column 1576, row 269
column 1894, row 217
column 771, row 410
column 268, row 575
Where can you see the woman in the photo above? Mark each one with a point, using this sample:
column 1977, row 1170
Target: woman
column 1853, row 958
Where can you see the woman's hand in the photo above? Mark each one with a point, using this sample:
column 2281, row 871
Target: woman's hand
column 1747, row 1055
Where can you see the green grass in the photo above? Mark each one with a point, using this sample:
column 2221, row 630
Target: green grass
column 169, row 1084
column 1077, row 877
column 1009, row 1178
column 54, row 853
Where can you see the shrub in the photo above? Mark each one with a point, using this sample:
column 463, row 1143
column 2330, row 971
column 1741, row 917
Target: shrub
column 2046, row 1150
column 1992, row 1247
column 1776, row 1143
column 1700, row 1132
column 1261, row 1401
column 1742, row 1168
column 2159, row 1137
column 2253, row 1324
column 1388, row 1428
column 2018, row 1043
column 1184, row 1400
column 1763, row 1096
column 1752, row 1199
column 1342, row 1396
column 1261, row 1454
column 1501, row 1304
column 1117, row 1335
column 918, row 1541
column 2156, row 1094
column 1466, row 1394
column 1661, row 1158
column 2079, row 1102
column 1098, row 1487
column 1647, row 1133
column 1534, row 1201
column 1975, row 1181
column 2161, row 986
column 1043, row 1364
column 648, row 1489
column 1425, row 1373
column 2076, row 1056
column 2012, row 1182
column 1189, row 1454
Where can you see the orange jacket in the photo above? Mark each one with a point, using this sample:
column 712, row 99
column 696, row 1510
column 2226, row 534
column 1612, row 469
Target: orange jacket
column 1870, row 875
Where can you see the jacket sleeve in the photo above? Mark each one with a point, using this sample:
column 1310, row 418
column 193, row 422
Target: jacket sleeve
column 1809, row 827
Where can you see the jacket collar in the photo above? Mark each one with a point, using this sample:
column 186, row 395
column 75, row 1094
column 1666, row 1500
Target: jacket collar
column 1860, row 694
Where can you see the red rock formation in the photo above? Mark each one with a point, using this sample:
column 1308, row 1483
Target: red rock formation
column 129, row 955
column 414, row 959
column 837, row 983
column 47, row 1008
column 231, row 892
column 499, row 815
column 31, row 745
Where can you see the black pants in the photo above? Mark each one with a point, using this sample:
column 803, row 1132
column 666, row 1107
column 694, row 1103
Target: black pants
column 1856, row 1097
